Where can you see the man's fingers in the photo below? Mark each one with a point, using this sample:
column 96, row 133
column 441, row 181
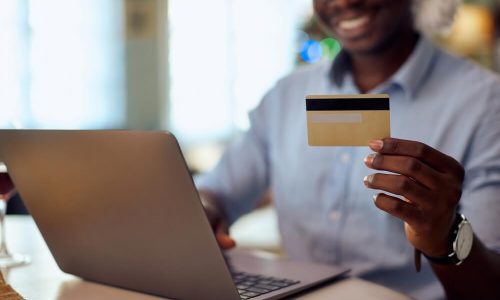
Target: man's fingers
column 407, row 166
column 222, row 236
column 225, row 241
column 420, row 151
column 397, row 207
column 417, row 194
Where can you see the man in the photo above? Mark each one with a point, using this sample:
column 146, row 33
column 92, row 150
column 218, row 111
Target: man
column 326, row 214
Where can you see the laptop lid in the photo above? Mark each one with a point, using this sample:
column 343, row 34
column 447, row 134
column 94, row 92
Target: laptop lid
column 119, row 208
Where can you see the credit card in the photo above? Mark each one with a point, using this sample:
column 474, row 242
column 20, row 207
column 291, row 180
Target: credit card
column 347, row 120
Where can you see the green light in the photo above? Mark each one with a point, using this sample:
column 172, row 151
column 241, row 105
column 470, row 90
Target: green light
column 331, row 47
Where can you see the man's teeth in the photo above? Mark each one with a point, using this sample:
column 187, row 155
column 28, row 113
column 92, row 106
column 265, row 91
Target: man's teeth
column 353, row 23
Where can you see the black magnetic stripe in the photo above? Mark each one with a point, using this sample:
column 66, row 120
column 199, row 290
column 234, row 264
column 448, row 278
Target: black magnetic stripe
column 348, row 104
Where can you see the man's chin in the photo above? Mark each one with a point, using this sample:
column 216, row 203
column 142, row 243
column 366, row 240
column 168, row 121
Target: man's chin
column 363, row 48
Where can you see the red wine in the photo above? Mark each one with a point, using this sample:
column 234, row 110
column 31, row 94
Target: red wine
column 6, row 184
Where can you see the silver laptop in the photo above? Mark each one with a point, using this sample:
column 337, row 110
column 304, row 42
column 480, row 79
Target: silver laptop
column 120, row 208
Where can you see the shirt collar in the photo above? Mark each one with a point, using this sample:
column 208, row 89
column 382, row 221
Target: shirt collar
column 409, row 77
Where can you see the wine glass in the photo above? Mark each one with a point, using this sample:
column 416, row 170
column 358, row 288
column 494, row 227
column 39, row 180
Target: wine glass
column 7, row 191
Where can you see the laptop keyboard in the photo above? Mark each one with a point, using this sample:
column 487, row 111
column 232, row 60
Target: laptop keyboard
column 251, row 286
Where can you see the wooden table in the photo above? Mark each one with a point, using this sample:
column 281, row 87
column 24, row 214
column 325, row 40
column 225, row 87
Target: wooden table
column 42, row 279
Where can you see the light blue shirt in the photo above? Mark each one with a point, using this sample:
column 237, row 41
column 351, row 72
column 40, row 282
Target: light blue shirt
column 325, row 213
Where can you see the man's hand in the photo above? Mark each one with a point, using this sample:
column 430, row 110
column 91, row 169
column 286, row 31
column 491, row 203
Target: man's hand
column 430, row 184
column 217, row 221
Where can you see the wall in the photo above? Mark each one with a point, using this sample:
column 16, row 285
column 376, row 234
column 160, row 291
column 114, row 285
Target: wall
column 146, row 49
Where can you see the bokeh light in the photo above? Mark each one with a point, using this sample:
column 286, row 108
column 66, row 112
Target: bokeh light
column 331, row 47
column 313, row 51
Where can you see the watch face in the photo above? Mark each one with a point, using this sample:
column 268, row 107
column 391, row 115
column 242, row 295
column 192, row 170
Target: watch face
column 464, row 240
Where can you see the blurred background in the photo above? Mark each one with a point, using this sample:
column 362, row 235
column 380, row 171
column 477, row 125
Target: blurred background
column 192, row 67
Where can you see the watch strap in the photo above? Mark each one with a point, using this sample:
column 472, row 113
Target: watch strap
column 451, row 258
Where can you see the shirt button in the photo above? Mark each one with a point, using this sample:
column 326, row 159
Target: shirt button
column 345, row 158
column 335, row 215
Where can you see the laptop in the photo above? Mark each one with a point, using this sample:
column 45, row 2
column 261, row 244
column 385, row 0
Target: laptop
column 120, row 208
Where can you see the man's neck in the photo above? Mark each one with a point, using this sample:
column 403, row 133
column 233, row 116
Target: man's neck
column 372, row 69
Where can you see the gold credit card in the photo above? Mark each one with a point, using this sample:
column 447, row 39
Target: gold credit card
column 347, row 120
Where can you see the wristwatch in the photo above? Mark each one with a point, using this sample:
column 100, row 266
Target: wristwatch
column 461, row 238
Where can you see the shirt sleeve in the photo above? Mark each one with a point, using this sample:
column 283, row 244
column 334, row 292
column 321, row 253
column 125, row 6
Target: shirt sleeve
column 480, row 201
column 242, row 174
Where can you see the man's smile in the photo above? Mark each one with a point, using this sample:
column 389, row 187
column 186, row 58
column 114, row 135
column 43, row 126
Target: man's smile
column 354, row 26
